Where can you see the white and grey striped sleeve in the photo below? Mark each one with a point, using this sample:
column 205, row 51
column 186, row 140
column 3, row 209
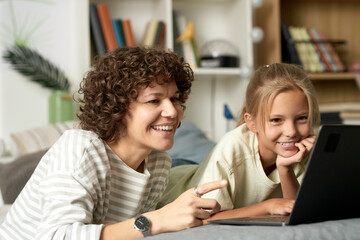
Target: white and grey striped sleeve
column 67, row 209
column 68, row 192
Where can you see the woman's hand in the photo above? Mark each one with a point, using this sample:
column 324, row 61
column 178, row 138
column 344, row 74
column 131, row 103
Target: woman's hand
column 187, row 211
column 304, row 147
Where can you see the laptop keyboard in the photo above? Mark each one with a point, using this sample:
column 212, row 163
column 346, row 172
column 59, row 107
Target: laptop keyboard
column 266, row 219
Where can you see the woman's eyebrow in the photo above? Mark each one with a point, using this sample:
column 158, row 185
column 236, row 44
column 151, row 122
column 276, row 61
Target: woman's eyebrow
column 157, row 94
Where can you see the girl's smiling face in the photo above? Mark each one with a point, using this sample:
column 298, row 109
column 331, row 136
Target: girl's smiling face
column 286, row 124
column 153, row 118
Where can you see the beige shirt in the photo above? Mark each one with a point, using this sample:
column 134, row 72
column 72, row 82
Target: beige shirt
column 235, row 158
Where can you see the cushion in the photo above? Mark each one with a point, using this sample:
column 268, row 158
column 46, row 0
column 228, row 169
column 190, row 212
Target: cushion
column 190, row 145
column 37, row 139
column 14, row 175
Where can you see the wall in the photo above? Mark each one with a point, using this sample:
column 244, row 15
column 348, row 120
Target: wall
column 24, row 104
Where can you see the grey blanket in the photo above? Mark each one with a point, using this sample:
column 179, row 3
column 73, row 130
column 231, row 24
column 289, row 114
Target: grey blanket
column 342, row 229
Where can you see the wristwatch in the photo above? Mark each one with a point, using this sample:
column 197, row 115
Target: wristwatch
column 142, row 224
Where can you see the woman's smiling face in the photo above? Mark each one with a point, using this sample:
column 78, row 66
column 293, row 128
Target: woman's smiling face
column 153, row 118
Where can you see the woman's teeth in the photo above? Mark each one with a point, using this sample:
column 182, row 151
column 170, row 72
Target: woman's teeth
column 163, row 128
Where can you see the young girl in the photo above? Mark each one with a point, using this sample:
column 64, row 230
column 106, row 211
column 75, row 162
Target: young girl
column 104, row 180
column 263, row 159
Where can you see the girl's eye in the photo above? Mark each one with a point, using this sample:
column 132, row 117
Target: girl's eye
column 275, row 120
column 303, row 118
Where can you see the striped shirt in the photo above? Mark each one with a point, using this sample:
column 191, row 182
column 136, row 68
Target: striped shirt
column 79, row 184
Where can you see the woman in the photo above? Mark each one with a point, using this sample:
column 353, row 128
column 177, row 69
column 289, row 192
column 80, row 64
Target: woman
column 104, row 180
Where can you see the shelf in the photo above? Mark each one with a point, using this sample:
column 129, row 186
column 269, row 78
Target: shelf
column 218, row 71
column 332, row 76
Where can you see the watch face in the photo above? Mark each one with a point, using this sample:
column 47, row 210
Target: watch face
column 142, row 223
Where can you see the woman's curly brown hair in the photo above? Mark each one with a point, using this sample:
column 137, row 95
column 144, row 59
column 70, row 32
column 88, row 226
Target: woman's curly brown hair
column 115, row 80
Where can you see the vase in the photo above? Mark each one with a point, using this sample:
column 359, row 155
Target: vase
column 60, row 106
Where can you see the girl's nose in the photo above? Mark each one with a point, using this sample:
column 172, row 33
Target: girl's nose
column 289, row 129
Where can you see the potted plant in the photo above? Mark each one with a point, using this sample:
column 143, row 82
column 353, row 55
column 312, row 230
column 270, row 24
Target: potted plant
column 32, row 65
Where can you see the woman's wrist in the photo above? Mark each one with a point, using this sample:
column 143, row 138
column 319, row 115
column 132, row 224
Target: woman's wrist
column 155, row 221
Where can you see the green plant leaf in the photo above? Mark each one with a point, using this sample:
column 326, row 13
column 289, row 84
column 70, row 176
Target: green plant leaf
column 31, row 64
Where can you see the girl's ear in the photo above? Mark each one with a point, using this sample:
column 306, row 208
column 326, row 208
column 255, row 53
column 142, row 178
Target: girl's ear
column 250, row 122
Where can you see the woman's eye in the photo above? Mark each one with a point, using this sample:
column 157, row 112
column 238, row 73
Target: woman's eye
column 154, row 101
column 175, row 99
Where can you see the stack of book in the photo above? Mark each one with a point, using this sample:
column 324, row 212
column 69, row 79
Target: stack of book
column 340, row 112
column 154, row 35
column 109, row 33
column 310, row 49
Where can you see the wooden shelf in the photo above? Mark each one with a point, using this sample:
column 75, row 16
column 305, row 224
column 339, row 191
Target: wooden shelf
column 333, row 17
column 332, row 76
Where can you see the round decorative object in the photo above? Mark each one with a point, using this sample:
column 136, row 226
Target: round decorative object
column 219, row 53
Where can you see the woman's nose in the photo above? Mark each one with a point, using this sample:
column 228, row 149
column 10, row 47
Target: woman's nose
column 169, row 109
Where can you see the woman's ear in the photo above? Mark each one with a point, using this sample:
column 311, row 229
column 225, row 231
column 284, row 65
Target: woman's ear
column 250, row 122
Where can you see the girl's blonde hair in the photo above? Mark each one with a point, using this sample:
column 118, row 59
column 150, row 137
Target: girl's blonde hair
column 270, row 80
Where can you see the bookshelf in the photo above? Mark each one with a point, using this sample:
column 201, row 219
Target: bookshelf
column 335, row 18
column 213, row 19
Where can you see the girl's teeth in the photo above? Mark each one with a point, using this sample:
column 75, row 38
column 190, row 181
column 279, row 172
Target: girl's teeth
column 287, row 144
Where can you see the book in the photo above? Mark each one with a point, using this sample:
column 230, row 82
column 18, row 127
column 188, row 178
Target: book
column 158, row 32
column 330, row 118
column 316, row 43
column 327, row 55
column 161, row 43
column 106, row 26
column 340, row 117
column 330, row 54
column 331, row 50
column 300, row 47
column 314, row 59
column 350, row 115
column 340, row 106
column 128, row 32
column 96, row 30
column 289, row 53
column 119, row 32
column 178, row 46
column 150, row 33
column 187, row 33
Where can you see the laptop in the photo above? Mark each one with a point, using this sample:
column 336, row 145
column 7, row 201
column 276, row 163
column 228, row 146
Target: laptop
column 330, row 189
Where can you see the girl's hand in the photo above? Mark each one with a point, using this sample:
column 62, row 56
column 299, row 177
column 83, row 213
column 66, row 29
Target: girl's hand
column 304, row 147
column 275, row 206
column 279, row 206
column 188, row 210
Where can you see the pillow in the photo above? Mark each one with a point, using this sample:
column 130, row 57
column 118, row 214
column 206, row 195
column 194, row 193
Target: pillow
column 37, row 139
column 190, row 145
column 14, row 175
